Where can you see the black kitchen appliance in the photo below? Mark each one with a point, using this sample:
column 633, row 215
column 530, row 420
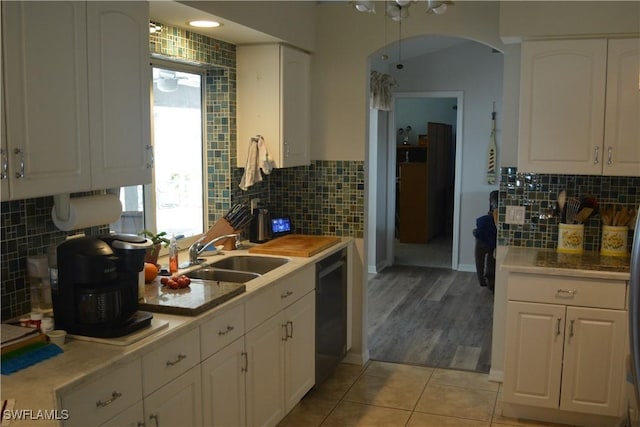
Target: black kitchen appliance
column 331, row 314
column 260, row 230
column 96, row 294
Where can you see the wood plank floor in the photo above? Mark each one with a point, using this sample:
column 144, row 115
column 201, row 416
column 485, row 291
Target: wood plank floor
column 429, row 316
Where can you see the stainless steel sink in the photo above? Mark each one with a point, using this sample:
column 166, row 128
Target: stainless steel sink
column 208, row 273
column 248, row 263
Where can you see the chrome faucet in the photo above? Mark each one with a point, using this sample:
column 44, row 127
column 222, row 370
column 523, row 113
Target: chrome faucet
column 197, row 248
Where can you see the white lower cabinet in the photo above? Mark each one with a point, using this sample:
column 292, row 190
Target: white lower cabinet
column 223, row 386
column 281, row 362
column 131, row 417
column 563, row 356
column 176, row 404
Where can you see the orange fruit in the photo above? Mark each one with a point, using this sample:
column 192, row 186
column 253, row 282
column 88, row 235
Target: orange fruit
column 150, row 272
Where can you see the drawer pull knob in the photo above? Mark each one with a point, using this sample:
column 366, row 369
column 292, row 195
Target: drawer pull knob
column 566, row 292
column 115, row 395
column 286, row 294
column 180, row 358
column 229, row 329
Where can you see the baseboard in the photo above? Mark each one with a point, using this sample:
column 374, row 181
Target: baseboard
column 552, row 415
column 496, row 375
column 471, row 268
column 356, row 358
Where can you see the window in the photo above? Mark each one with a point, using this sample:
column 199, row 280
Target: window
column 174, row 201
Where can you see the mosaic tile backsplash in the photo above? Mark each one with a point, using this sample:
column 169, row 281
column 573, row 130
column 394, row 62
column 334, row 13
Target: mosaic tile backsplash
column 538, row 194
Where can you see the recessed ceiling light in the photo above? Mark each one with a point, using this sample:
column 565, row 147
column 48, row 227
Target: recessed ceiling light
column 204, row 24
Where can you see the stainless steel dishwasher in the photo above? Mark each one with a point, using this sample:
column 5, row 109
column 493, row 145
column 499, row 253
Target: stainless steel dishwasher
column 331, row 313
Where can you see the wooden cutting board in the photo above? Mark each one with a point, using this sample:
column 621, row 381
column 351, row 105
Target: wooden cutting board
column 295, row 245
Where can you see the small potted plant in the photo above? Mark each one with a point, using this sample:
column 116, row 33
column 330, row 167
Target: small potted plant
column 158, row 240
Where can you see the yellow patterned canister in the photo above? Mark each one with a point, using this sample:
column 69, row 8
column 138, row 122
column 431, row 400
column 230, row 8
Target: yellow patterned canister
column 614, row 240
column 570, row 238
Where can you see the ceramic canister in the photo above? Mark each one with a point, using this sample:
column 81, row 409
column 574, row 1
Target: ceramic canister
column 570, row 238
column 614, row 240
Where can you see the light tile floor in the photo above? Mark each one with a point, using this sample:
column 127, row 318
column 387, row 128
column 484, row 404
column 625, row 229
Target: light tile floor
column 390, row 394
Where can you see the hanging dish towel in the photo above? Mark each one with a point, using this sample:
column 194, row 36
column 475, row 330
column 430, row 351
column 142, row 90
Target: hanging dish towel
column 264, row 161
column 251, row 171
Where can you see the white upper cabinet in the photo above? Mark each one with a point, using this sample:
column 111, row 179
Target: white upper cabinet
column 622, row 111
column 45, row 81
column 273, row 95
column 119, row 93
column 76, row 97
column 563, row 89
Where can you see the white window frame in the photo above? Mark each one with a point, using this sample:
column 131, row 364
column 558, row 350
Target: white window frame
column 149, row 193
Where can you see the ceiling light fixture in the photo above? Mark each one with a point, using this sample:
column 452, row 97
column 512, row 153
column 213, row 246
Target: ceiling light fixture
column 204, row 24
column 398, row 10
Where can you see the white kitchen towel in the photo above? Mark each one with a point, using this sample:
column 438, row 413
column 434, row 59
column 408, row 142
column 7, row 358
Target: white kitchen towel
column 252, row 170
column 264, row 161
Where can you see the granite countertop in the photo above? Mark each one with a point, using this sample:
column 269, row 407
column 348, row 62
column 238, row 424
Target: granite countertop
column 35, row 388
column 551, row 262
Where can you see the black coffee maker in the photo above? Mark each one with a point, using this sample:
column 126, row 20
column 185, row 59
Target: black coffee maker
column 97, row 290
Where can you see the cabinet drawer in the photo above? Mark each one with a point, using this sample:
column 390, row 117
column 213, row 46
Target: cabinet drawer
column 221, row 331
column 280, row 295
column 103, row 398
column 170, row 360
column 584, row 292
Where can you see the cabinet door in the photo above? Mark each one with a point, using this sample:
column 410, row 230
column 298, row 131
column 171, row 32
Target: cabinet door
column 593, row 371
column 295, row 108
column 533, row 353
column 300, row 349
column 562, row 92
column 178, row 403
column 265, row 373
column 45, row 72
column 223, row 386
column 621, row 130
column 119, row 93
column 131, row 417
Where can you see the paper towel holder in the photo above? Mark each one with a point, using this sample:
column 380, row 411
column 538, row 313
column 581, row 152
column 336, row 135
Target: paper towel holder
column 61, row 206
column 61, row 203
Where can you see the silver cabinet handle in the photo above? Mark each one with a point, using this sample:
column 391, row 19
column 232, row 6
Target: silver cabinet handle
column 115, row 395
column 225, row 332
column 286, row 294
column 596, row 153
column 4, row 172
column 571, row 329
column 286, row 149
column 245, row 362
column 566, row 292
column 609, row 154
column 141, row 424
column 289, row 334
column 20, row 174
column 150, row 154
column 286, row 332
column 558, row 331
column 180, row 358
column 154, row 417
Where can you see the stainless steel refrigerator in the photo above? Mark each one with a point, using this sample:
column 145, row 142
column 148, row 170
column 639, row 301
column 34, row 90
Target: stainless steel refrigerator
column 634, row 328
